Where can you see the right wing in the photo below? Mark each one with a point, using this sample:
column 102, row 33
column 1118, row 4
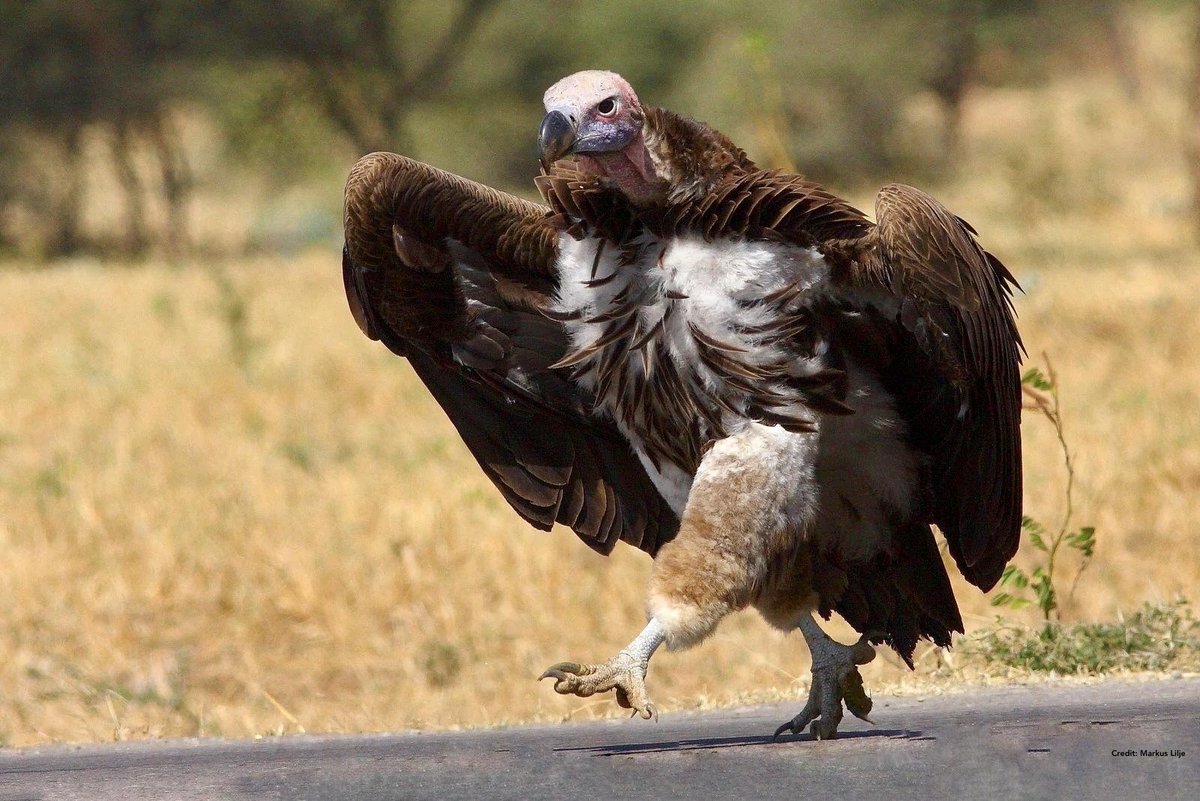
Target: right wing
column 459, row 278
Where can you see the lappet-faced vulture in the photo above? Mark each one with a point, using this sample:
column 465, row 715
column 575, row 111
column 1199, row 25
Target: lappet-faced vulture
column 727, row 367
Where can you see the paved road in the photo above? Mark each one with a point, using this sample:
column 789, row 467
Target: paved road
column 1021, row 742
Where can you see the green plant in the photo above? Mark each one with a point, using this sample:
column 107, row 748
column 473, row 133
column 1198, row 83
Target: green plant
column 1156, row 637
column 1041, row 394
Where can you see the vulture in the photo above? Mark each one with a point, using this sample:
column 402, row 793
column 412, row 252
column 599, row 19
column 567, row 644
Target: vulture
column 727, row 367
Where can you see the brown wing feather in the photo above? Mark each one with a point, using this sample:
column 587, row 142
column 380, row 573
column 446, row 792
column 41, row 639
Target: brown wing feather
column 956, row 373
column 455, row 276
column 384, row 189
column 758, row 204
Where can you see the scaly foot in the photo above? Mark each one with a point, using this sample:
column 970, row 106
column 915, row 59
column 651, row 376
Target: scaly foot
column 624, row 673
column 835, row 679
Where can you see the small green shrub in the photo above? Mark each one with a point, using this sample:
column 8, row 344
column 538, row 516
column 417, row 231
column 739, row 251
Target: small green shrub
column 1156, row 637
column 1041, row 393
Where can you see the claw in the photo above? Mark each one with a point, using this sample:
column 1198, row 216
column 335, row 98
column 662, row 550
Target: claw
column 855, row 697
column 821, row 728
column 566, row 675
column 650, row 712
column 836, row 680
column 623, row 674
column 561, row 670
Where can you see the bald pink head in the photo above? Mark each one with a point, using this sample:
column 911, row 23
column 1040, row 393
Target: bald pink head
column 588, row 89
column 595, row 115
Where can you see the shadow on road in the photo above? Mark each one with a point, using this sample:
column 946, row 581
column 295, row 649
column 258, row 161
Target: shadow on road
column 709, row 743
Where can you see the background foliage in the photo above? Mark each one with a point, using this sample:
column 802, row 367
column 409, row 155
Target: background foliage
column 169, row 98
column 224, row 512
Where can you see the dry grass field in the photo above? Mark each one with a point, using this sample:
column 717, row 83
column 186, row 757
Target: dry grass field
column 240, row 518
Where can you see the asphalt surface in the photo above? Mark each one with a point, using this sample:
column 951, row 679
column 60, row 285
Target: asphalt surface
column 1111, row 740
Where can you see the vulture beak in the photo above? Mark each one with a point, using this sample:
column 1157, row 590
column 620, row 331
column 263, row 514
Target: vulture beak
column 556, row 138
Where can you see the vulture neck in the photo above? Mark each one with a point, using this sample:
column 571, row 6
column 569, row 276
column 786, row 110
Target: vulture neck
column 633, row 170
column 689, row 157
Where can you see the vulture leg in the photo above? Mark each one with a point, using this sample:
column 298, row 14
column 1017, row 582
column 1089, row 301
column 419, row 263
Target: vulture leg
column 729, row 537
column 625, row 673
column 835, row 679
column 715, row 564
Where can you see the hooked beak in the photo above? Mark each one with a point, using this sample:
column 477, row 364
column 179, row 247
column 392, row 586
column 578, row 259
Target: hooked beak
column 556, row 138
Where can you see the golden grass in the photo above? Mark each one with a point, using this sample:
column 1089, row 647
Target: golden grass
column 301, row 543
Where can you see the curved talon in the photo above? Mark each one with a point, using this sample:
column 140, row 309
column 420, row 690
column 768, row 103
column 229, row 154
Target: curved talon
column 836, row 680
column 648, row 711
column 623, row 674
column 795, row 726
column 566, row 675
column 563, row 671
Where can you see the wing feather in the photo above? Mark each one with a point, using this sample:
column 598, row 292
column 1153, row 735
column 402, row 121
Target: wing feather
column 957, row 374
column 456, row 276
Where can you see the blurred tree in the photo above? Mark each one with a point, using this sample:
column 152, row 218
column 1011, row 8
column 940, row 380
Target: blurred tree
column 357, row 60
column 297, row 87
column 859, row 81
column 10, row 189
column 65, row 67
column 459, row 84
column 953, row 70
column 121, row 68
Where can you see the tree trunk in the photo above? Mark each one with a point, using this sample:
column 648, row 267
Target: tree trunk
column 1117, row 30
column 370, row 103
column 131, row 185
column 176, row 182
column 66, row 237
column 960, row 49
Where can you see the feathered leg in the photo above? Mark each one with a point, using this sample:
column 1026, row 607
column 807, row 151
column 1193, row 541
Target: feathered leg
column 695, row 583
column 835, row 679
column 729, row 535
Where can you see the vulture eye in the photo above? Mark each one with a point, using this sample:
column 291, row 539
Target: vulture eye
column 607, row 107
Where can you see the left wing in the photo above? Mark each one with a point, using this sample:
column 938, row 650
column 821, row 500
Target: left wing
column 956, row 372
column 458, row 278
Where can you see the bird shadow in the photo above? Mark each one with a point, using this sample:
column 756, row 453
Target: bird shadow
column 711, row 743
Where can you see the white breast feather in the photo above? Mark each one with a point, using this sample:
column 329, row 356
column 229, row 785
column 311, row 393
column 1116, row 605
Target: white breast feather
column 862, row 463
column 715, row 276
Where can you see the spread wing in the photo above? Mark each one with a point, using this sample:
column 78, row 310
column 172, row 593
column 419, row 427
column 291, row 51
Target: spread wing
column 459, row 278
column 956, row 370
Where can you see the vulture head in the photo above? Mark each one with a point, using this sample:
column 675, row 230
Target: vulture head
column 596, row 117
column 649, row 155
